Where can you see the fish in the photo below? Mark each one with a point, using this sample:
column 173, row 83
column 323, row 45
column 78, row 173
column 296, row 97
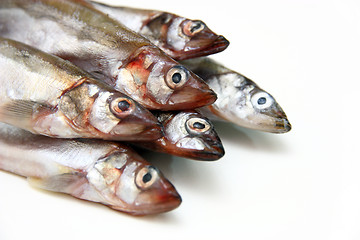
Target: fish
column 240, row 100
column 47, row 95
column 181, row 38
column 132, row 65
column 94, row 170
column 187, row 134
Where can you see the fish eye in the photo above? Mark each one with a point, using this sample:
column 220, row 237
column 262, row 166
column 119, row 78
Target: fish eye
column 146, row 177
column 193, row 27
column 197, row 125
column 176, row 77
column 121, row 106
column 262, row 100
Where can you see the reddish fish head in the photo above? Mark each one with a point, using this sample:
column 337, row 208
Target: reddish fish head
column 187, row 134
column 183, row 38
column 158, row 82
column 128, row 183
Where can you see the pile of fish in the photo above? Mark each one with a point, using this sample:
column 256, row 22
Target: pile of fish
column 81, row 81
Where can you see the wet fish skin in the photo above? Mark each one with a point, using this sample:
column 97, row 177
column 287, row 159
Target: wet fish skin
column 75, row 31
column 240, row 100
column 187, row 134
column 93, row 170
column 47, row 95
column 179, row 37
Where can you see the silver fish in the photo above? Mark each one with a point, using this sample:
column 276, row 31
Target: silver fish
column 179, row 37
column 240, row 100
column 93, row 170
column 186, row 134
column 47, row 95
column 77, row 32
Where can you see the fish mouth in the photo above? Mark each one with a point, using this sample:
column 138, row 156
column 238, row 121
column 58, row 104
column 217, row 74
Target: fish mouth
column 169, row 204
column 282, row 126
column 150, row 209
column 166, row 204
column 192, row 97
column 263, row 122
column 141, row 126
column 279, row 125
column 150, row 133
column 219, row 45
column 215, row 152
column 216, row 46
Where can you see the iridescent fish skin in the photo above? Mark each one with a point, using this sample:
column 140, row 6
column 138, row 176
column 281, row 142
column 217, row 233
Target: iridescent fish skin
column 187, row 134
column 179, row 37
column 93, row 170
column 77, row 32
column 47, row 95
column 240, row 100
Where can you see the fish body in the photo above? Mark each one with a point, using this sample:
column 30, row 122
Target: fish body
column 179, row 37
column 186, row 134
column 47, row 95
column 77, row 32
column 93, row 170
column 240, row 100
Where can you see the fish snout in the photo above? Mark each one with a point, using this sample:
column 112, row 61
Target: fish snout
column 157, row 201
column 194, row 94
column 220, row 44
column 274, row 120
column 282, row 126
column 214, row 151
column 142, row 125
column 167, row 199
column 204, row 46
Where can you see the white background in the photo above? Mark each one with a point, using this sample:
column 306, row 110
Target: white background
column 301, row 185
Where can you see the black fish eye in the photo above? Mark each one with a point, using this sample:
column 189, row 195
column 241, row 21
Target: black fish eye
column 123, row 105
column 195, row 26
column 199, row 125
column 147, row 177
column 176, row 77
column 191, row 28
column 261, row 101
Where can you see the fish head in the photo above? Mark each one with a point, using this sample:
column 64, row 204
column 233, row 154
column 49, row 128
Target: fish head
column 128, row 183
column 118, row 117
column 189, row 134
column 242, row 102
column 269, row 116
column 199, row 40
column 158, row 82
column 183, row 38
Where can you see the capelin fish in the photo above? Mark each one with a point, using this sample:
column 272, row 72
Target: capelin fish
column 47, row 95
column 77, row 32
column 186, row 134
column 93, row 170
column 240, row 100
column 179, row 37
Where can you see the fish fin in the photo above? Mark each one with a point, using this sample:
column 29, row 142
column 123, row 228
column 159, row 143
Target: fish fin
column 71, row 183
column 22, row 109
column 99, row 75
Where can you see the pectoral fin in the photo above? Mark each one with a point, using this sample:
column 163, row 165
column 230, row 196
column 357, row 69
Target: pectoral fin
column 20, row 110
column 71, row 183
